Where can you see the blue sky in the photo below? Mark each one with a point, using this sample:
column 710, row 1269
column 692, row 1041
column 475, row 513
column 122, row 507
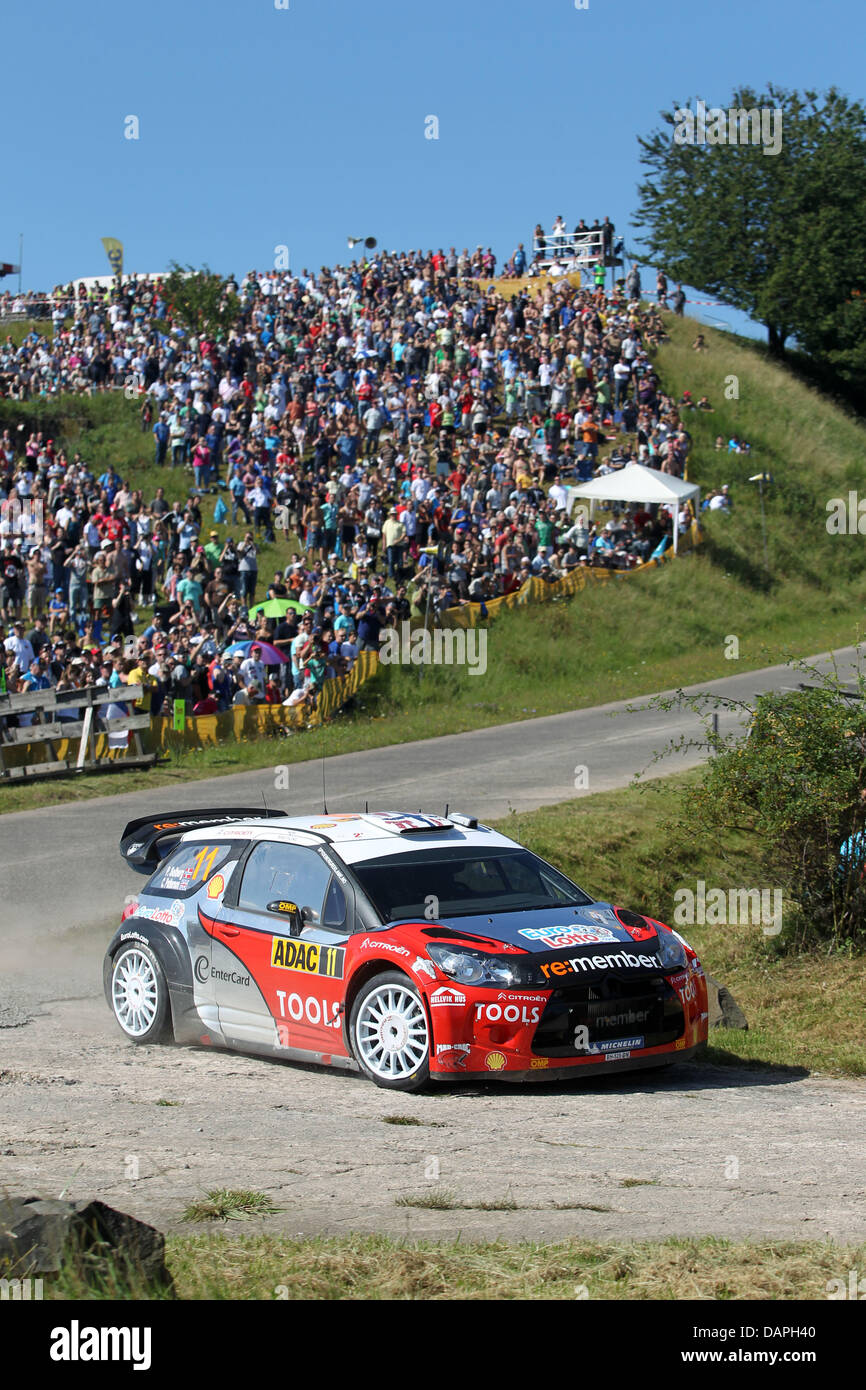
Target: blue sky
column 261, row 127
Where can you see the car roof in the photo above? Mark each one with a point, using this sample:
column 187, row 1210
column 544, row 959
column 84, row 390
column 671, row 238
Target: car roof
column 356, row 837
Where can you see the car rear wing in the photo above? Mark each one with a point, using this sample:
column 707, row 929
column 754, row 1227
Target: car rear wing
column 146, row 841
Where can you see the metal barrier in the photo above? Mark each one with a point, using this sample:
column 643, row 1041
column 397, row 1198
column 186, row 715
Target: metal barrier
column 579, row 249
column 17, row 744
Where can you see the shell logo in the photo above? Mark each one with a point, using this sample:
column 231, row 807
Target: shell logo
column 495, row 1061
column 216, row 886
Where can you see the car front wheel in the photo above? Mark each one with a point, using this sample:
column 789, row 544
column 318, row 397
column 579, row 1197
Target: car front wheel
column 139, row 995
column 390, row 1036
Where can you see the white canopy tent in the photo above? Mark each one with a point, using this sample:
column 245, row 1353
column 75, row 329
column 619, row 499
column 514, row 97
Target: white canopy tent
column 637, row 483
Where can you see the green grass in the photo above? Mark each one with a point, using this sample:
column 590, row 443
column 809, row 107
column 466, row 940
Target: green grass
column 443, row 1199
column 804, row 1010
column 410, row 1120
column 361, row 1267
column 636, row 634
column 230, row 1204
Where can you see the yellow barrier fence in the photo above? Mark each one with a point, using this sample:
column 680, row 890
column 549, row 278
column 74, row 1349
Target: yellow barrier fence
column 248, row 722
column 539, row 591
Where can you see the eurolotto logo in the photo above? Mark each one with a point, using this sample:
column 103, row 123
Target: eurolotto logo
column 166, row 916
column 568, row 936
column 24, row 518
column 740, row 125
column 714, row 907
column 441, row 647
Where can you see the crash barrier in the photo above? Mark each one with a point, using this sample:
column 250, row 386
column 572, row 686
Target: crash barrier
column 71, row 734
column 249, row 722
column 540, row 591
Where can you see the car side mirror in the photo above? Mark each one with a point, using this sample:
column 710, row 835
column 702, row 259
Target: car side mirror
column 292, row 912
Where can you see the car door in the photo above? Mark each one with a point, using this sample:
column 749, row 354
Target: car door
column 287, row 926
column 182, row 895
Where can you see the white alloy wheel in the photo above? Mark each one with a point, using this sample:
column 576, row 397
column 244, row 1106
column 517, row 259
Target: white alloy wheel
column 391, row 1033
column 138, row 994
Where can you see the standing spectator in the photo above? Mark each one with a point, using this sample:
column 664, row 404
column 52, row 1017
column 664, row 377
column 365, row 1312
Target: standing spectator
column 248, row 568
column 160, row 438
column 393, row 538
column 37, row 591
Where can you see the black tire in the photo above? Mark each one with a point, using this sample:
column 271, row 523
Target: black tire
column 139, row 995
column 405, row 1068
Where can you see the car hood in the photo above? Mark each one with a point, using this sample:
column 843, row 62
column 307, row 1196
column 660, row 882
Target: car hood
column 546, row 929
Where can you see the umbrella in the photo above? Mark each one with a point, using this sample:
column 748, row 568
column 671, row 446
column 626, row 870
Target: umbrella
column 270, row 655
column 277, row 607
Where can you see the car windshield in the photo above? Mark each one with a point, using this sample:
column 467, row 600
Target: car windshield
column 438, row 884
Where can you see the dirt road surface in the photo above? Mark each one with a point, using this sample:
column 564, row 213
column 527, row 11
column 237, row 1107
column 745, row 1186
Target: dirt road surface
column 696, row 1150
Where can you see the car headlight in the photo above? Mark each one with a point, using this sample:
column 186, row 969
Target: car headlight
column 672, row 953
column 470, row 967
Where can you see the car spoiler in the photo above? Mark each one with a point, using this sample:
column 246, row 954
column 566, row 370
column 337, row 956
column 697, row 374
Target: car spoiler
column 145, row 841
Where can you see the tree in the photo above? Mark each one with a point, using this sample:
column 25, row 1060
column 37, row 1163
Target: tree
column 794, row 776
column 780, row 235
column 200, row 300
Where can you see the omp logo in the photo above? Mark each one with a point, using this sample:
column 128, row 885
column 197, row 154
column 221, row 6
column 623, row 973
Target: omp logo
column 623, row 960
column 308, row 957
column 77, row 1343
column 201, row 969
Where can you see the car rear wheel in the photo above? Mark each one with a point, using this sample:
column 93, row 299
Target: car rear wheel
column 139, row 995
column 390, row 1034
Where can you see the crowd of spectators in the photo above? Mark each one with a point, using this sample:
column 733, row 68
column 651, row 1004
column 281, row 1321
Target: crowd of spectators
column 416, row 432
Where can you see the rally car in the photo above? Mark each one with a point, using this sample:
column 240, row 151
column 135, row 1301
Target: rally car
column 404, row 946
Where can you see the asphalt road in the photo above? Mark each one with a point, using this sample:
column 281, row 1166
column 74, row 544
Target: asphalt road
column 76, row 1101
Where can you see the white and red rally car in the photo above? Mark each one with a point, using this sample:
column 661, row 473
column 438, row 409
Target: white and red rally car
column 409, row 947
